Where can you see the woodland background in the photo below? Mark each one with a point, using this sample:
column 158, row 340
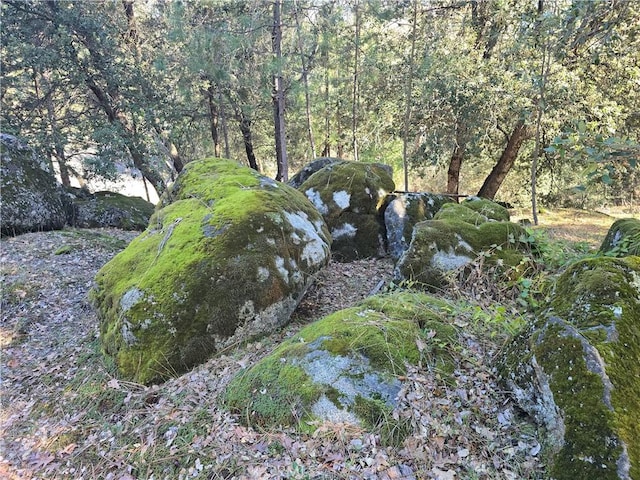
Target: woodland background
column 454, row 94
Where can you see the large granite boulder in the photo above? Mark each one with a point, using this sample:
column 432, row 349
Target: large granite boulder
column 31, row 197
column 458, row 235
column 344, row 368
column 351, row 198
column 623, row 238
column 108, row 209
column 226, row 257
column 577, row 370
column 403, row 211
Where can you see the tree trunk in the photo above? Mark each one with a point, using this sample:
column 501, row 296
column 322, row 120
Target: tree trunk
column 356, row 61
column 214, row 115
column 56, row 135
column 455, row 164
column 494, row 180
column 305, row 82
column 278, row 96
column 453, row 174
column 544, row 73
column 225, row 130
column 409, row 89
column 326, row 151
column 245, row 128
column 129, row 135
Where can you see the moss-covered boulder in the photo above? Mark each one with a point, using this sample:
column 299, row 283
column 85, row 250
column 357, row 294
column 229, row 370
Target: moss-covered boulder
column 31, row 198
column 351, row 196
column 310, row 168
column 455, row 237
column 403, row 211
column 623, row 238
column 577, row 370
column 345, row 367
column 109, row 209
column 488, row 209
column 227, row 257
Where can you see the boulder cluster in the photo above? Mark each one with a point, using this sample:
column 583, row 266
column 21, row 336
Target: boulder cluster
column 228, row 253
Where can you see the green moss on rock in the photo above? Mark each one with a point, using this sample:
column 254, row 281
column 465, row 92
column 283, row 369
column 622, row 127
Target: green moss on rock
column 351, row 196
column 577, row 370
column 111, row 209
column 487, row 208
column 343, row 367
column 444, row 245
column 460, row 213
column 401, row 214
column 226, row 258
column 31, row 198
column 623, row 238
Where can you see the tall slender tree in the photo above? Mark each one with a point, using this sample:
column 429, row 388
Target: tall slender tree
column 278, row 95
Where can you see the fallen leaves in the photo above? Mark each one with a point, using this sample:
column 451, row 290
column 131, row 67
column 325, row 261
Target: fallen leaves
column 63, row 410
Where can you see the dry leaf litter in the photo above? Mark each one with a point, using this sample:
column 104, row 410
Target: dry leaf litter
column 65, row 416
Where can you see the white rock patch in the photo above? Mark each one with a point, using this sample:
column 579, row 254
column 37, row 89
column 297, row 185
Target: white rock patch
column 130, row 298
column 284, row 273
column 314, row 197
column 342, row 199
column 316, row 249
column 449, row 260
column 346, row 230
column 263, row 274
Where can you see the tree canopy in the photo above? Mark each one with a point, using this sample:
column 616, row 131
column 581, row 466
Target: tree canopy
column 497, row 97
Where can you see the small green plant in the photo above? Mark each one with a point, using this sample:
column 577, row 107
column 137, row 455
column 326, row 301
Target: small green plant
column 63, row 250
column 298, row 472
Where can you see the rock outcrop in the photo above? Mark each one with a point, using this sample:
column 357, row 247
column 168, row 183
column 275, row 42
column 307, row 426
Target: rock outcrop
column 31, row 197
column 226, row 257
column 344, row 368
column 623, row 238
column 577, row 371
column 311, row 168
column 402, row 213
column 109, row 209
column 456, row 236
column 351, row 198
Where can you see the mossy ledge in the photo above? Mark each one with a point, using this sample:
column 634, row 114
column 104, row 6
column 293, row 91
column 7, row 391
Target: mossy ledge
column 226, row 257
column 623, row 238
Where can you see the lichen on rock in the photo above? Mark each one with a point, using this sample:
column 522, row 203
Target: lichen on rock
column 345, row 367
column 456, row 237
column 31, row 198
column 577, row 370
column 110, row 209
column 351, row 198
column 226, row 257
column 403, row 211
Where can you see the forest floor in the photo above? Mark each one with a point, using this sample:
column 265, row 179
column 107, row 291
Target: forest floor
column 65, row 415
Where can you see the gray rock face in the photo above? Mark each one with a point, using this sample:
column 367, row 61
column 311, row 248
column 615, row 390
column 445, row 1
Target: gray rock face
column 351, row 198
column 341, row 368
column 31, row 197
column 226, row 258
column 402, row 213
column 110, row 209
